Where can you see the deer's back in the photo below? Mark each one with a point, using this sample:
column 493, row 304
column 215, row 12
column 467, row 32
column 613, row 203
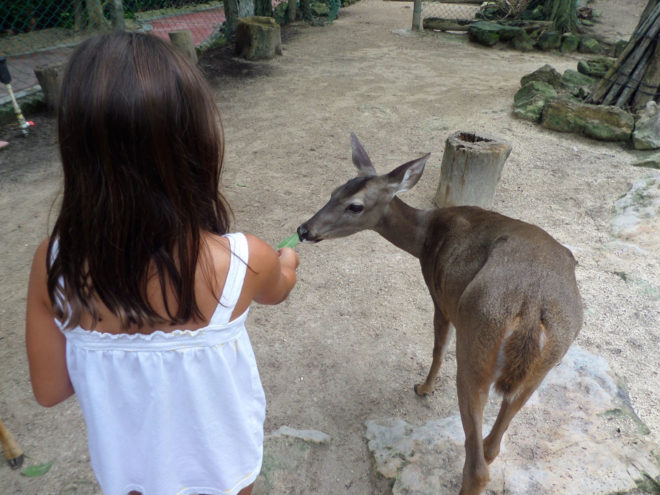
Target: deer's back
column 489, row 266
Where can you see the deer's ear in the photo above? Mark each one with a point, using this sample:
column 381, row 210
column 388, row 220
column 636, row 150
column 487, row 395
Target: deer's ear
column 360, row 158
column 406, row 176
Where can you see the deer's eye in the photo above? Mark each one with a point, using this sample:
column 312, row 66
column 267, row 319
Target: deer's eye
column 355, row 207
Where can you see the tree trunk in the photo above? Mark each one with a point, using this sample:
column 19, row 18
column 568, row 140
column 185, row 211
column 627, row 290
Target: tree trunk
column 263, row 8
column 231, row 15
column 118, row 15
column 471, row 168
column 77, row 15
column 564, row 15
column 95, row 17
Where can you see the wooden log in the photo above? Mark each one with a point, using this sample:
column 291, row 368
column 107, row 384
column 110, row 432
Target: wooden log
column 438, row 24
column 13, row 452
column 471, row 168
column 184, row 41
column 50, row 80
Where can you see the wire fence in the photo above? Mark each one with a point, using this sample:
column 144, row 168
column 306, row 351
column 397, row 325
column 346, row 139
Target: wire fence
column 36, row 33
column 445, row 9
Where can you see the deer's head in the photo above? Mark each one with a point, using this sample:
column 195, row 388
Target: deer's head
column 362, row 202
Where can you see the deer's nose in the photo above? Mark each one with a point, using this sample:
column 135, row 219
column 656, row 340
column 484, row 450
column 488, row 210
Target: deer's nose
column 302, row 233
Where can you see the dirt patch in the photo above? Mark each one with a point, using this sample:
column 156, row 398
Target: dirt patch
column 356, row 332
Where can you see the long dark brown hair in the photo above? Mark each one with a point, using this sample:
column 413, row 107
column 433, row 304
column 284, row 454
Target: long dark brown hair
column 141, row 145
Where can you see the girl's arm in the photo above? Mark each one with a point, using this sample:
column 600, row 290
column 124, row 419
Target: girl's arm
column 272, row 274
column 46, row 345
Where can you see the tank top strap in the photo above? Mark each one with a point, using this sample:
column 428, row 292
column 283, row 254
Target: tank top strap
column 235, row 277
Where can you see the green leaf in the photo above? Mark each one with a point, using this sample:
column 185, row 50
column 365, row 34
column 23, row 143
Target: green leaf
column 38, row 470
column 290, row 241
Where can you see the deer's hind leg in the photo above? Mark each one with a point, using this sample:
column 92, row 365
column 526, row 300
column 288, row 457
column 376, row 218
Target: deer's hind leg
column 441, row 333
column 472, row 398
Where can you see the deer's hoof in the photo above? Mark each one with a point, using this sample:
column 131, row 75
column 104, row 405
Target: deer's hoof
column 419, row 390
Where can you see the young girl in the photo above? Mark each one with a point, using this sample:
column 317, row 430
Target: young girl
column 138, row 300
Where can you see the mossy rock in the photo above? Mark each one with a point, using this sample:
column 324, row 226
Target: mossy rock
column 569, row 43
column 589, row 45
column 549, row 40
column 602, row 122
column 547, row 74
column 320, row 9
column 619, row 46
column 529, row 101
column 572, row 78
column 485, row 33
column 596, row 67
column 523, row 42
column 509, row 33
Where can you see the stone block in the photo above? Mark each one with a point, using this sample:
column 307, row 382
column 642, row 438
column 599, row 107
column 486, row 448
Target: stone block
column 549, row 40
column 484, row 33
column 547, row 74
column 647, row 128
column 258, row 38
column 531, row 99
column 602, row 122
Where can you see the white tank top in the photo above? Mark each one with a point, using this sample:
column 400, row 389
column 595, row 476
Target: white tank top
column 178, row 412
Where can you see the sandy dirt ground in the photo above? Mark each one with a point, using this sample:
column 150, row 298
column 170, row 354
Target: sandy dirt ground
column 355, row 334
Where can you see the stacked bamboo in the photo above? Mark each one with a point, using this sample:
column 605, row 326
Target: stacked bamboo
column 634, row 80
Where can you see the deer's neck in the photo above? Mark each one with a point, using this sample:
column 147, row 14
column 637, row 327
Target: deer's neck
column 405, row 226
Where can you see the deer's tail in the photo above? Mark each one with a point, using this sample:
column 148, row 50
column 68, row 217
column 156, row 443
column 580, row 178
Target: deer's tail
column 520, row 350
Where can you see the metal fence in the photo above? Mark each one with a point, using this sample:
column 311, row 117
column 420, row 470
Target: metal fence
column 42, row 32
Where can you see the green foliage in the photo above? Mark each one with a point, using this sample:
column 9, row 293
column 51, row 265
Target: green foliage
column 28, row 15
column 38, row 470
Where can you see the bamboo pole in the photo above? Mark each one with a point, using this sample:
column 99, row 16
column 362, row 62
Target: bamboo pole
column 626, row 69
column 633, row 81
column 603, row 87
column 650, row 85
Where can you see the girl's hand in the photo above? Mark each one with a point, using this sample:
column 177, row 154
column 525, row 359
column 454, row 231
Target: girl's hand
column 288, row 258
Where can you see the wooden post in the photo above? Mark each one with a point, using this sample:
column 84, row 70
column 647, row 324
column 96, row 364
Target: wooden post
column 183, row 40
column 291, row 13
column 118, row 15
column 471, row 167
column 49, row 77
column 417, row 16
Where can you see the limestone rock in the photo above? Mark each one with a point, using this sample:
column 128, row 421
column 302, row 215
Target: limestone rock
column 258, row 38
column 569, row 43
column 291, row 459
column 549, row 40
column 547, row 74
column 589, row 45
column 596, row 67
column 574, row 79
column 602, row 122
column 530, row 100
column 637, row 214
column 647, row 128
column 651, row 161
column 485, row 33
column 577, row 434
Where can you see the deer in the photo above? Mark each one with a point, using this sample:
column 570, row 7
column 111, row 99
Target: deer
column 507, row 287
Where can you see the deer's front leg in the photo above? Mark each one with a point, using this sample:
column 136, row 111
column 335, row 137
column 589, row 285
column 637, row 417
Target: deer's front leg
column 441, row 332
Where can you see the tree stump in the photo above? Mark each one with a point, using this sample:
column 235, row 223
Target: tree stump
column 258, row 37
column 184, row 41
column 471, row 167
column 50, row 79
